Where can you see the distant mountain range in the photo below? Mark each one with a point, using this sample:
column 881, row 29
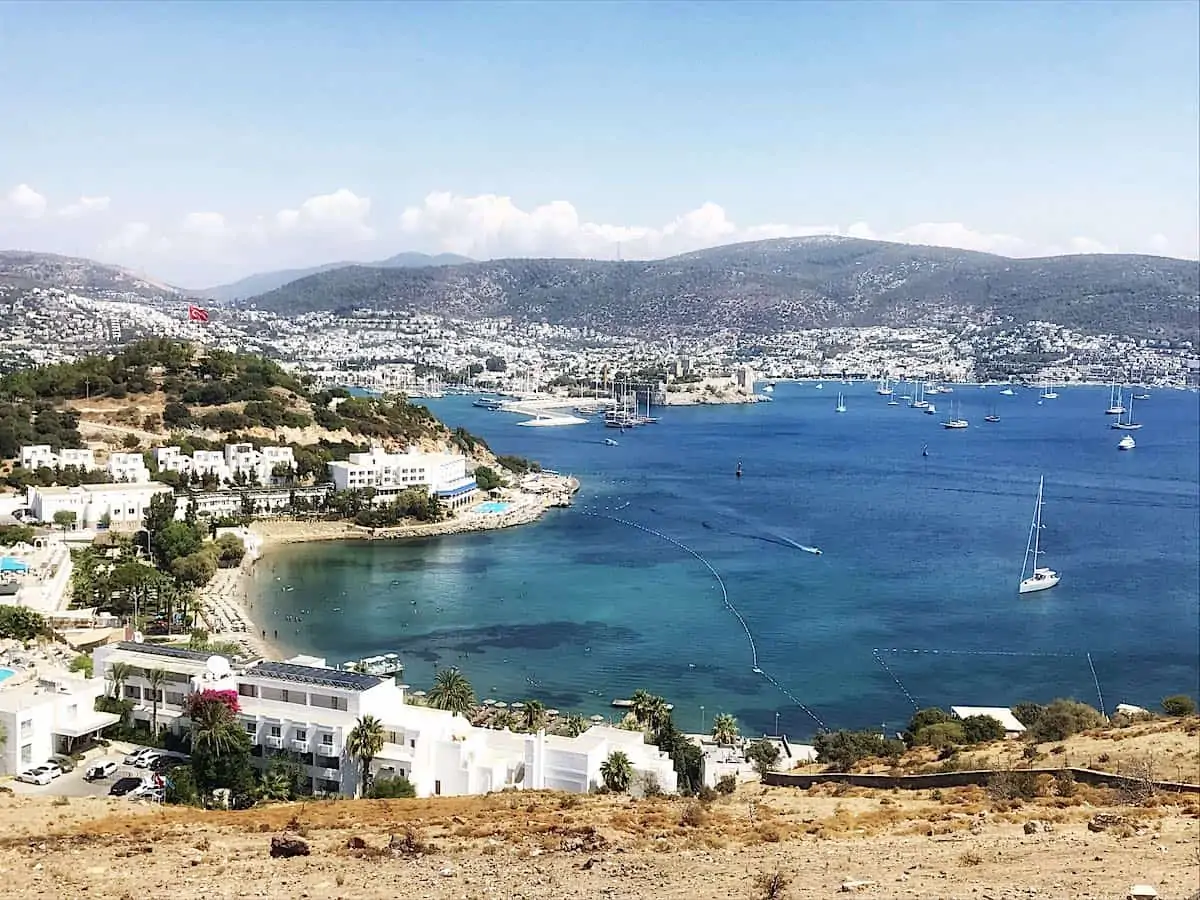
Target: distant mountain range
column 769, row 286
column 263, row 282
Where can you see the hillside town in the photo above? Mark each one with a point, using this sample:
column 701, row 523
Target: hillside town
column 415, row 354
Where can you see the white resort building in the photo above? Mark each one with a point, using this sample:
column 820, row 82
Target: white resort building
column 444, row 475
column 37, row 456
column 48, row 715
column 304, row 707
column 124, row 505
column 236, row 459
column 128, row 467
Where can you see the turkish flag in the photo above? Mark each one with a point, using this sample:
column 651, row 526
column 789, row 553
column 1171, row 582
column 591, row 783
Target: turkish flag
column 197, row 314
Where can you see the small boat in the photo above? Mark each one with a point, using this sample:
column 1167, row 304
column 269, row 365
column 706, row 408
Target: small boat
column 919, row 401
column 885, row 387
column 738, row 472
column 930, row 409
column 1042, row 578
column 925, row 450
column 820, row 386
column 1007, row 392
column 488, row 403
column 1048, row 393
column 841, row 407
column 609, row 442
column 1126, row 443
column 768, row 388
column 1141, row 396
column 893, row 402
column 991, row 417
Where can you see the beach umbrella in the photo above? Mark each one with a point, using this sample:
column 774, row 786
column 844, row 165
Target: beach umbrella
column 597, row 719
column 500, row 704
column 489, row 702
column 552, row 712
column 518, row 705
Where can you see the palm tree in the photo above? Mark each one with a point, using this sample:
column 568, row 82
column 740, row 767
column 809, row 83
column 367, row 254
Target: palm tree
column 574, row 725
column 617, row 772
column 650, row 710
column 504, row 720
column 365, row 740
column 156, row 678
column 534, row 715
column 725, row 729
column 118, row 674
column 214, row 728
column 452, row 691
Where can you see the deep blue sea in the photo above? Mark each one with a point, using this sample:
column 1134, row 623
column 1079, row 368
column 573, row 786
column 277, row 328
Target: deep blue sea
column 912, row 600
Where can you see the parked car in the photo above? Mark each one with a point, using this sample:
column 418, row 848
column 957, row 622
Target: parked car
column 54, row 769
column 63, row 761
column 134, row 755
column 123, row 786
column 151, row 792
column 166, row 763
column 100, row 771
column 148, row 760
column 36, row 775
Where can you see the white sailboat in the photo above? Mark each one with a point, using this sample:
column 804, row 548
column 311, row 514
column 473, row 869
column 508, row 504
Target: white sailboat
column 885, row 388
column 955, row 421
column 1127, row 424
column 1041, row 578
column 841, row 407
column 919, row 401
column 1048, row 392
column 1007, row 392
column 1115, row 406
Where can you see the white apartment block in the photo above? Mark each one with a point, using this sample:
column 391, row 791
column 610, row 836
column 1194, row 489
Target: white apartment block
column 129, row 467
column 444, row 475
column 36, row 456
column 304, row 707
column 225, row 465
column 46, row 716
column 124, row 504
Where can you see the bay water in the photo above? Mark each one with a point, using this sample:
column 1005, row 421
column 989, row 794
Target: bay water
column 912, row 600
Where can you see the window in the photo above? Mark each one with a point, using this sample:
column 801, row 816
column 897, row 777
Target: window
column 248, row 690
column 27, row 725
column 327, row 740
column 133, row 692
column 437, row 788
column 174, row 698
column 275, row 731
column 301, row 734
column 27, row 755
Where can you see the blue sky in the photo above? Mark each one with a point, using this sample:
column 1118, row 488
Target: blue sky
column 216, row 139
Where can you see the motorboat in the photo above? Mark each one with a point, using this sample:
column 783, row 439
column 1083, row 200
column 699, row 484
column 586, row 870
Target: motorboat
column 1126, row 443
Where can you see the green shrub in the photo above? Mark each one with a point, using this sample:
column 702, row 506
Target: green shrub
column 1013, row 785
column 923, row 718
column 940, row 735
column 391, row 789
column 1028, row 713
column 727, row 784
column 842, row 749
column 1063, row 718
column 981, row 729
column 1179, row 705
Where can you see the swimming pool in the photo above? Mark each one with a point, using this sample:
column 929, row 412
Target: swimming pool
column 6, row 674
column 493, row 506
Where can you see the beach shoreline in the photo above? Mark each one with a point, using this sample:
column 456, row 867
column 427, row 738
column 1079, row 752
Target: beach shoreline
column 225, row 602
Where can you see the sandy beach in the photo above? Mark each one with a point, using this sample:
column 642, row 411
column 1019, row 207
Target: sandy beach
column 226, row 607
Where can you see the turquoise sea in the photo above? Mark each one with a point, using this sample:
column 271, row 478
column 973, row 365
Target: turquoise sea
column 913, row 598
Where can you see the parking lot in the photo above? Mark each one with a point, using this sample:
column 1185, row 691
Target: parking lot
column 72, row 784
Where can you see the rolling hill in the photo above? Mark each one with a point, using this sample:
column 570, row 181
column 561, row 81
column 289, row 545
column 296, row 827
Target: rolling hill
column 262, row 282
column 790, row 283
column 25, row 269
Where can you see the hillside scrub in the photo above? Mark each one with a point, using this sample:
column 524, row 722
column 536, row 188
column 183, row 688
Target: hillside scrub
column 1061, row 719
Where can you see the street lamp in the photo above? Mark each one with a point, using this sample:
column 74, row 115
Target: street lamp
column 702, row 718
column 776, row 724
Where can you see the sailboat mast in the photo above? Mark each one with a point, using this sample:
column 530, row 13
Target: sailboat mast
column 1037, row 530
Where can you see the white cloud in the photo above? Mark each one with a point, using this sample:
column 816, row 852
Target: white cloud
column 25, row 202
column 83, row 206
column 343, row 212
column 132, row 236
column 205, row 225
column 494, row 226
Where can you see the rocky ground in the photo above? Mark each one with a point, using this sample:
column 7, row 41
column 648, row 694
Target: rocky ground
column 819, row 843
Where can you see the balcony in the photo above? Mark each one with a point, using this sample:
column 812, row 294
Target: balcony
column 300, row 746
column 273, row 740
column 328, row 774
